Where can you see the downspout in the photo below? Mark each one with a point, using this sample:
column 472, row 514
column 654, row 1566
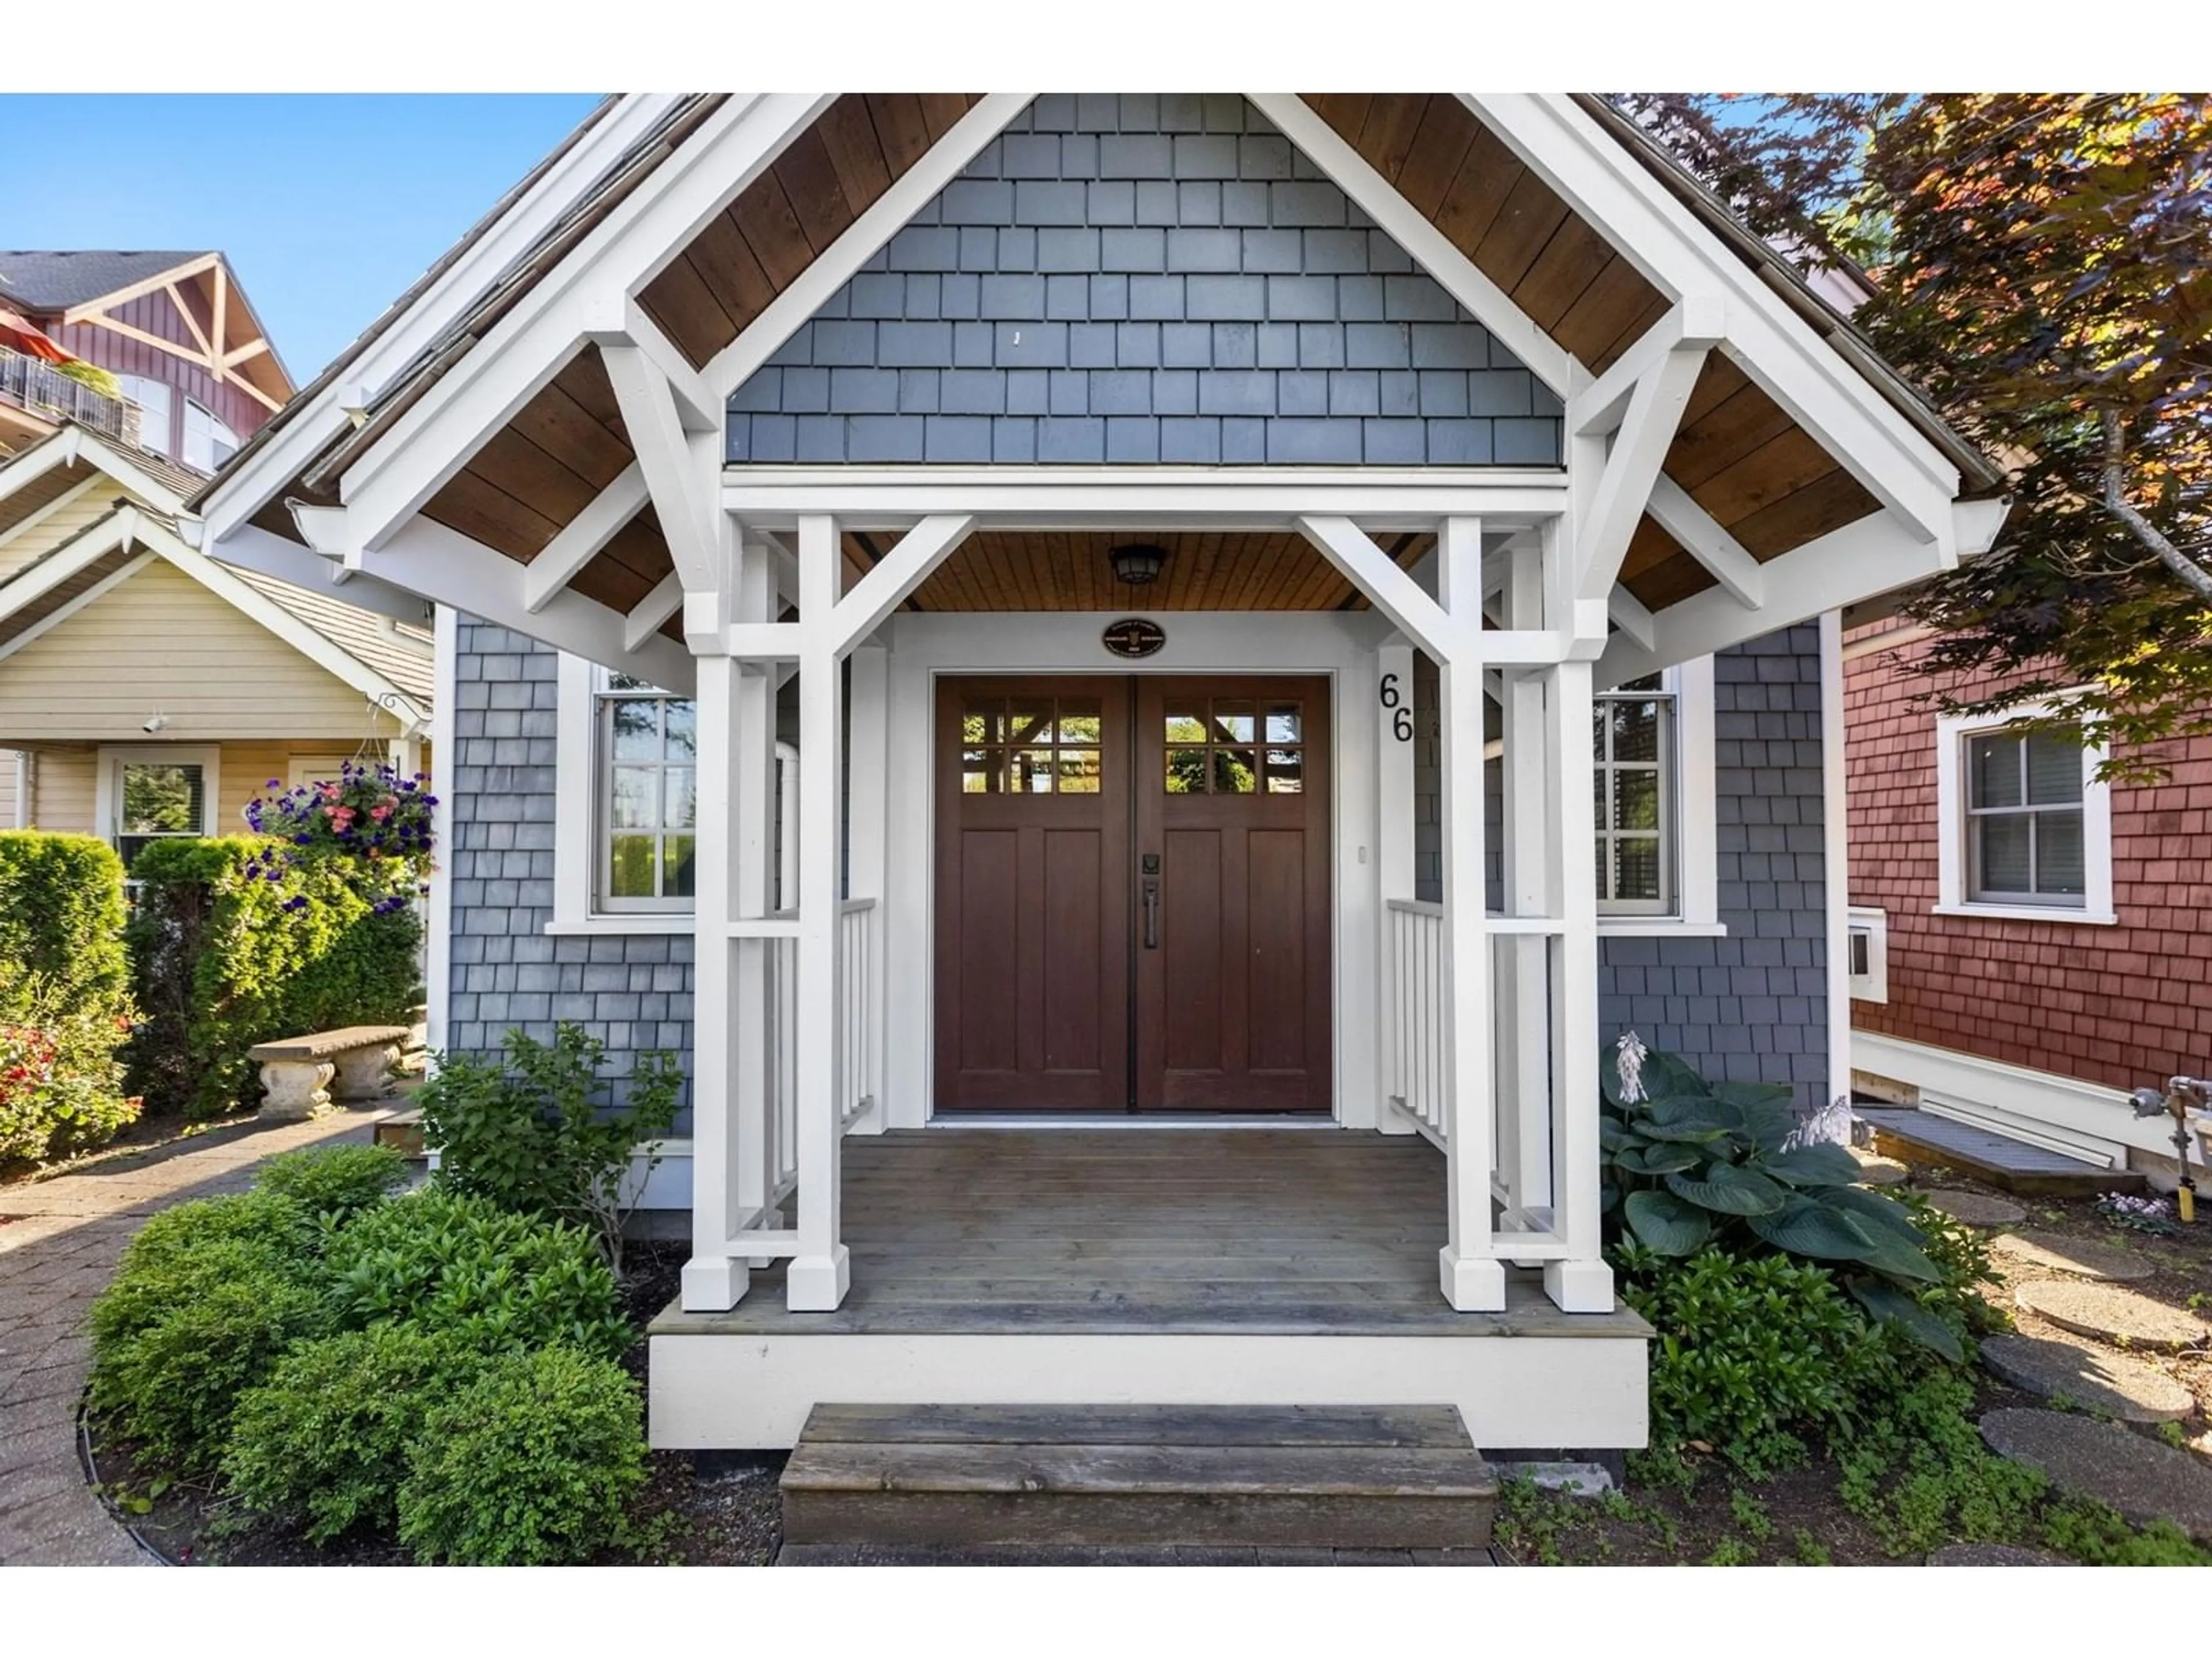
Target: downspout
column 27, row 779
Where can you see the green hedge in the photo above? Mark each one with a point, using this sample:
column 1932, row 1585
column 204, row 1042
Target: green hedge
column 231, row 946
column 65, row 1006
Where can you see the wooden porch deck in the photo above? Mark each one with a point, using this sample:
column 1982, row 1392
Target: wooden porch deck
column 1165, row 1265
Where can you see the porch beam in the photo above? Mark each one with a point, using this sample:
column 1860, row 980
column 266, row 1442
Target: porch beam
column 1632, row 616
column 1778, row 348
column 1698, row 323
column 645, row 616
column 1653, row 415
column 1740, row 576
column 1392, row 591
column 901, row 570
column 249, row 546
column 668, row 454
column 581, row 538
column 821, row 1273
column 627, row 326
column 1429, row 247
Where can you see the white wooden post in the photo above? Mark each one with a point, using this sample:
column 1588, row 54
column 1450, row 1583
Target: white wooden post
column 1473, row 1279
column 714, row 1280
column 821, row 1272
column 1525, row 1072
column 753, row 814
column 869, row 771
column 1394, row 852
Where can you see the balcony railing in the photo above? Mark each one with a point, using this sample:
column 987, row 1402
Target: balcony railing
column 31, row 384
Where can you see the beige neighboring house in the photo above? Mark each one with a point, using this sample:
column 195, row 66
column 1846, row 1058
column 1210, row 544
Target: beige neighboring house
column 147, row 690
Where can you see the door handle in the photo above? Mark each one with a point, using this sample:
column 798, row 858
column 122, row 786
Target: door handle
column 1151, row 912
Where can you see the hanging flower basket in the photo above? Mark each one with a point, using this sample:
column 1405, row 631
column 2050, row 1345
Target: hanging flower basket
column 368, row 816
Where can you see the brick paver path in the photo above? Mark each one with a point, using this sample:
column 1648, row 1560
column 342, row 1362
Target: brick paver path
column 59, row 1239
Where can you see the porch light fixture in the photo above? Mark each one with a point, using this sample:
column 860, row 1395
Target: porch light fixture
column 1137, row 562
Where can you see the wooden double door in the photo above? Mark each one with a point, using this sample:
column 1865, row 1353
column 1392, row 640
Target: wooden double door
column 1133, row 893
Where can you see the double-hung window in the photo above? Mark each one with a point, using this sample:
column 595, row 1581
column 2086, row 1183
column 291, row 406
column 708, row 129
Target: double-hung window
column 2026, row 830
column 646, row 794
column 1636, row 798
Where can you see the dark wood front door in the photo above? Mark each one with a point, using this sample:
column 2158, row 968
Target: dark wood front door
column 1133, row 893
column 1232, row 850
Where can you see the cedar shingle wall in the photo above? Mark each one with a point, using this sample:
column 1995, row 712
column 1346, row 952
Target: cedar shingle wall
column 2122, row 1006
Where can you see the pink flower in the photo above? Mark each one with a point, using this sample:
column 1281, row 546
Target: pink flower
column 381, row 813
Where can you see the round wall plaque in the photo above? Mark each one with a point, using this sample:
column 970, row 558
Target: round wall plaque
column 1134, row 636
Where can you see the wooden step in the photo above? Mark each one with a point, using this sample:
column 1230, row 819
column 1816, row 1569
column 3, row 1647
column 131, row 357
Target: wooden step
column 1343, row 1477
column 1928, row 1140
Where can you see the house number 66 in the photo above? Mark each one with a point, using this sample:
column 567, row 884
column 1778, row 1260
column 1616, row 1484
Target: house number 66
column 1401, row 718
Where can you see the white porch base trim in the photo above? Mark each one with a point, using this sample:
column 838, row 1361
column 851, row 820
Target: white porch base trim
column 753, row 1392
column 2060, row 1113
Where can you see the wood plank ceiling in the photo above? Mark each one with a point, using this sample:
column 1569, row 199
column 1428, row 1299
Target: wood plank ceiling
column 1744, row 460
column 1738, row 455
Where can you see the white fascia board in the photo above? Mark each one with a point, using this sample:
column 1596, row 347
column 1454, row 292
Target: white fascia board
column 251, row 487
column 97, row 451
column 1776, row 347
column 57, row 448
column 385, row 487
column 317, row 648
column 1872, row 556
column 252, row 548
column 1428, row 247
column 1163, row 498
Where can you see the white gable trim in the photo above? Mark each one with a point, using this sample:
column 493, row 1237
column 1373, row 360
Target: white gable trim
column 76, row 492
column 117, row 529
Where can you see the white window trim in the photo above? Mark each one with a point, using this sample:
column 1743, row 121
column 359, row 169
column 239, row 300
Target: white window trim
column 107, row 797
column 1697, row 843
column 1872, row 986
column 1952, row 732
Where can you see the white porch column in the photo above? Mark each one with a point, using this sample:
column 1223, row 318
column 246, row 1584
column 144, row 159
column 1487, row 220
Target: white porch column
column 1396, row 724
column 821, row 1272
column 1524, row 994
column 752, row 804
column 1473, row 1279
column 714, row 1280
column 869, row 770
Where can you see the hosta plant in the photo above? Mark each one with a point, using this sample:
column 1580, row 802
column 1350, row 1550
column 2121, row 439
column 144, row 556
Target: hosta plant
column 1690, row 1163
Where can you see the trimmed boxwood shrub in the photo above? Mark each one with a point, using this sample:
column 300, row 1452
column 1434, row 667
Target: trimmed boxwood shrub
column 64, row 1008
column 324, row 1442
column 484, row 1276
column 233, row 944
column 535, row 1461
column 333, row 1182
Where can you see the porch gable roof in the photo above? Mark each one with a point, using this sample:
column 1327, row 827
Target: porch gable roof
column 731, row 220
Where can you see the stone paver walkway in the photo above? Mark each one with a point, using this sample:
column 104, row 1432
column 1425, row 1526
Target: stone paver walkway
column 59, row 1239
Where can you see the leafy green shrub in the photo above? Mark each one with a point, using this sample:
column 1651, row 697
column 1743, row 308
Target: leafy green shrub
column 325, row 1441
column 461, row 1266
column 333, row 1181
column 1689, row 1163
column 173, row 1352
column 64, row 1011
column 536, row 1462
column 1916, row 1470
column 542, row 1134
column 232, row 945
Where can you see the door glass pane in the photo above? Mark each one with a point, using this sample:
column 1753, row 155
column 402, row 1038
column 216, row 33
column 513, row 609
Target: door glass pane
column 980, row 769
column 682, row 719
column 1636, row 858
column 160, row 800
column 1236, row 772
column 637, row 728
column 1285, row 725
column 2003, row 843
column 981, row 722
column 2058, row 864
column 2054, row 770
column 677, row 867
column 1232, row 721
column 1078, row 771
column 1186, row 725
column 680, row 809
column 632, row 807
column 1186, row 772
column 631, row 874
column 1635, row 730
column 1032, row 772
column 1078, row 720
column 1287, row 771
column 1029, row 722
column 1993, row 766
column 1636, row 801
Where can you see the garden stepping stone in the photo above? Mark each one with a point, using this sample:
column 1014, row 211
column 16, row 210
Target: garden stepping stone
column 2141, row 1479
column 2054, row 1253
column 2111, row 1384
column 2110, row 1313
column 1976, row 1209
column 1875, row 1171
column 1994, row 1555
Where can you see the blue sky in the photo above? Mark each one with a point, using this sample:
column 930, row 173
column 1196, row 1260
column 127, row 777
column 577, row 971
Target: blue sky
column 328, row 206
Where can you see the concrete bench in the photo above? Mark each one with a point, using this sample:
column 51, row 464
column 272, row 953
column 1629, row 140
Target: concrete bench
column 296, row 1071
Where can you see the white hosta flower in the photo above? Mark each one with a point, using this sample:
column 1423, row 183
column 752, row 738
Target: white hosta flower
column 1628, row 1055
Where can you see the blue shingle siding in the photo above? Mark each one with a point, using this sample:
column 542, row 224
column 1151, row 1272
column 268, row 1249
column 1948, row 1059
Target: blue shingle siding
column 1752, row 1006
column 632, row 992
column 1137, row 280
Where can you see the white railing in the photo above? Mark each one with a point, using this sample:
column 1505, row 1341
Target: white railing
column 1416, row 1037
column 857, row 1021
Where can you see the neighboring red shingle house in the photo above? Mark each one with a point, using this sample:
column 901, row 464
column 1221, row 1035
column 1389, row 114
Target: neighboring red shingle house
column 2034, row 944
